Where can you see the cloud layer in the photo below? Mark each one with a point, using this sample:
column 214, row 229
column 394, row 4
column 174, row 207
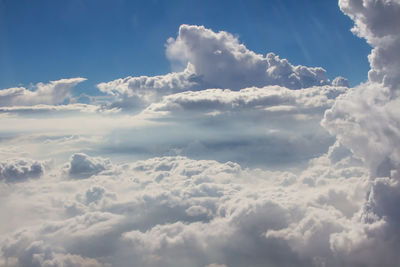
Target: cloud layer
column 173, row 211
column 222, row 164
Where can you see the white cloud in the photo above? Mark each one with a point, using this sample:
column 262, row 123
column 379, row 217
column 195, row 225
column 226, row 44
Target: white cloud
column 340, row 81
column 82, row 166
column 222, row 62
column 135, row 92
column 272, row 99
column 377, row 21
column 18, row 170
column 212, row 60
column 55, row 92
column 173, row 211
column 366, row 120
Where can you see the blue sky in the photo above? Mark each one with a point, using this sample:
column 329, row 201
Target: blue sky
column 103, row 40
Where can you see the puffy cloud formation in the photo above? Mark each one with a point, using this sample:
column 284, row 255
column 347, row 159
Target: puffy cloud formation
column 174, row 211
column 377, row 21
column 134, row 92
column 340, row 81
column 83, row 166
column 222, row 62
column 366, row 119
column 18, row 170
column 55, row 92
column 212, row 60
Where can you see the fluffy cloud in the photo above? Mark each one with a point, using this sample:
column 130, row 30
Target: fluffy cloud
column 135, row 92
column 83, row 166
column 377, row 21
column 55, row 92
column 212, row 60
column 222, row 62
column 340, row 81
column 366, row 119
column 17, row 170
column 174, row 211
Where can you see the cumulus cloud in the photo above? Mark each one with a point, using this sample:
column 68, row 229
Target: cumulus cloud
column 83, row 166
column 377, row 21
column 340, row 81
column 174, row 211
column 366, row 120
column 55, row 92
column 18, row 170
column 136, row 92
column 212, row 60
column 223, row 62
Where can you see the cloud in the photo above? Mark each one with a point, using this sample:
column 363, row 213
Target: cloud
column 270, row 127
column 376, row 21
column 54, row 110
column 55, row 92
column 83, row 166
column 212, row 60
column 265, row 101
column 19, row 170
column 340, row 81
column 174, row 211
column 339, row 208
column 135, row 92
column 366, row 120
column 222, row 62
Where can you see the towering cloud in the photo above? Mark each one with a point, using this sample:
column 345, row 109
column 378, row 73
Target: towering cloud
column 377, row 21
column 223, row 62
column 212, row 60
column 366, row 119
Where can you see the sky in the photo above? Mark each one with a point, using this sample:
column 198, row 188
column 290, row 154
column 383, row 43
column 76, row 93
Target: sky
column 188, row 133
column 104, row 40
